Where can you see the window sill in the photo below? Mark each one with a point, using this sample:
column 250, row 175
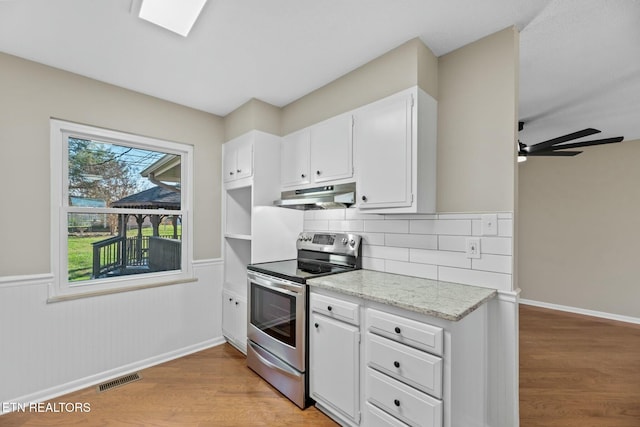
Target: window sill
column 89, row 294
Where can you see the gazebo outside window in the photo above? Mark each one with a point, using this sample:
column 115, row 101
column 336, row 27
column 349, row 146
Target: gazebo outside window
column 140, row 252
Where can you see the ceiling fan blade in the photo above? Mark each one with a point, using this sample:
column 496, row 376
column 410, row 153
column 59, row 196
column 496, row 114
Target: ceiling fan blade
column 559, row 140
column 554, row 153
column 589, row 143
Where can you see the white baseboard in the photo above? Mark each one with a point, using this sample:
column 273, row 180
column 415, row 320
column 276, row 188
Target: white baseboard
column 53, row 392
column 577, row 310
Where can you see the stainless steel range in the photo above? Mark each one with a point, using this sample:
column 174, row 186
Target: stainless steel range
column 278, row 299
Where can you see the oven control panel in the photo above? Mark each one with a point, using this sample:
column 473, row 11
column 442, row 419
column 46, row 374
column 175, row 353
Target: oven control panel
column 338, row 243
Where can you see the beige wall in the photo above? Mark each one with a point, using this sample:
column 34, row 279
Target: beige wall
column 579, row 228
column 31, row 94
column 390, row 73
column 477, row 115
column 252, row 115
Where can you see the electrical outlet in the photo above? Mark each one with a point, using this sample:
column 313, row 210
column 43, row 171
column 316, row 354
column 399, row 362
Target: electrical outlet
column 489, row 225
column 473, row 247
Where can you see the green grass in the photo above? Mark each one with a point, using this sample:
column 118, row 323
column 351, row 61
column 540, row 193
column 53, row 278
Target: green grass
column 80, row 258
column 164, row 230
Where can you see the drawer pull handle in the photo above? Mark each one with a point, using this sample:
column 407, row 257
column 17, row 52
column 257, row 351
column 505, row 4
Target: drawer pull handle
column 396, row 402
column 397, row 329
column 329, row 308
column 316, row 325
column 396, row 364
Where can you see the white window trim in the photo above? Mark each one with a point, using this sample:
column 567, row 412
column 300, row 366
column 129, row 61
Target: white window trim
column 62, row 289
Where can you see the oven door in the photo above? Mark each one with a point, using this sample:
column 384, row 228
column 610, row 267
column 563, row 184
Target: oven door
column 277, row 318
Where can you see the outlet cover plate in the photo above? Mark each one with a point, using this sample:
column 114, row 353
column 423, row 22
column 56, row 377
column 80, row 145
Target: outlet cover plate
column 489, row 224
column 473, row 247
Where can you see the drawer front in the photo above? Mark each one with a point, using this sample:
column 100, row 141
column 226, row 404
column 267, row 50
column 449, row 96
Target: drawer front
column 335, row 308
column 409, row 365
column 406, row 403
column 407, row 331
column 376, row 417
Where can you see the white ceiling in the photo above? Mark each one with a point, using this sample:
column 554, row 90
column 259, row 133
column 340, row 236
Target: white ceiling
column 580, row 65
column 580, row 68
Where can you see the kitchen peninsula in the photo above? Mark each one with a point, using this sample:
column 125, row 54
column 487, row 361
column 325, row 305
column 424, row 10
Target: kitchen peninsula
column 387, row 349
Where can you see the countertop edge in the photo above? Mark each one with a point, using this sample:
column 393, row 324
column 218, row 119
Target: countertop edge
column 455, row 317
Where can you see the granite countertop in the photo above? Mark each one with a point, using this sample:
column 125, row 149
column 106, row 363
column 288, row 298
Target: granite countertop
column 445, row 300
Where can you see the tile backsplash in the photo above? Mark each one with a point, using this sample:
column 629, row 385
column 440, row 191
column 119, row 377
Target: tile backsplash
column 430, row 246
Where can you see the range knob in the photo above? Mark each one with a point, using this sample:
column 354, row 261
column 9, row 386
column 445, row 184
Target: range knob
column 345, row 240
column 352, row 243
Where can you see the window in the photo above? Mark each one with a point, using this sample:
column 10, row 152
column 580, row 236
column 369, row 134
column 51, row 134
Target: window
column 121, row 210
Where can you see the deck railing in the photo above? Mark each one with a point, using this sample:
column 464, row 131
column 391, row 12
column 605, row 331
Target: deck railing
column 107, row 256
column 115, row 254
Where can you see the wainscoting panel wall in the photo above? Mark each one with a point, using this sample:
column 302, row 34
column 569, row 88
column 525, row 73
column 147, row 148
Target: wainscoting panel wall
column 49, row 349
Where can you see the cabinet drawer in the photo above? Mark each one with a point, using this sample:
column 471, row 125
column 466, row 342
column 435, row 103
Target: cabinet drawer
column 335, row 308
column 403, row 402
column 410, row 332
column 409, row 365
column 378, row 418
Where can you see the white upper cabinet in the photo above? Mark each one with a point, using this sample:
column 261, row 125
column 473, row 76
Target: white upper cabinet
column 331, row 149
column 383, row 132
column 395, row 142
column 295, row 151
column 238, row 158
column 318, row 154
column 244, row 160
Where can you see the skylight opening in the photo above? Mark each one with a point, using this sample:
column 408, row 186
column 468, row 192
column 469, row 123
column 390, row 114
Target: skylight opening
column 177, row 16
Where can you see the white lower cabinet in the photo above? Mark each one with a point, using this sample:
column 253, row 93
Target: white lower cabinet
column 334, row 364
column 402, row 379
column 411, row 366
column 376, row 417
column 412, row 369
column 402, row 401
column 234, row 320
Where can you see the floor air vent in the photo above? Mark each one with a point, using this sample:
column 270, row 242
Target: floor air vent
column 118, row 382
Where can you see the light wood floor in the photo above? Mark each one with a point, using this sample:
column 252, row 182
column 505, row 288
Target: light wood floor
column 213, row 387
column 578, row 371
column 574, row 371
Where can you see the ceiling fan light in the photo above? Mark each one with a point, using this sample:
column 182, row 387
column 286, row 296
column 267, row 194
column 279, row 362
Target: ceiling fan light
column 174, row 15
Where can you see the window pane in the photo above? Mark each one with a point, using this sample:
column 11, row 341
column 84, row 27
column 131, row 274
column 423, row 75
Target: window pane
column 103, row 174
column 110, row 245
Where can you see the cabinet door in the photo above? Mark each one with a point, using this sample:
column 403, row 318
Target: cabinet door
column 334, row 368
column 234, row 320
column 295, row 159
column 229, row 325
column 383, row 134
column 331, row 149
column 229, row 162
column 244, row 160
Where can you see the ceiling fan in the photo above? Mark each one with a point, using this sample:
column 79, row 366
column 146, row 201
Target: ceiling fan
column 556, row 146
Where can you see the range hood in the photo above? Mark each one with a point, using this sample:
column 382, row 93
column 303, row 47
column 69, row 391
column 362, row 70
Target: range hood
column 325, row 197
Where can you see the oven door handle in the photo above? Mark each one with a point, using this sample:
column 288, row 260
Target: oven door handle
column 282, row 287
column 271, row 362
